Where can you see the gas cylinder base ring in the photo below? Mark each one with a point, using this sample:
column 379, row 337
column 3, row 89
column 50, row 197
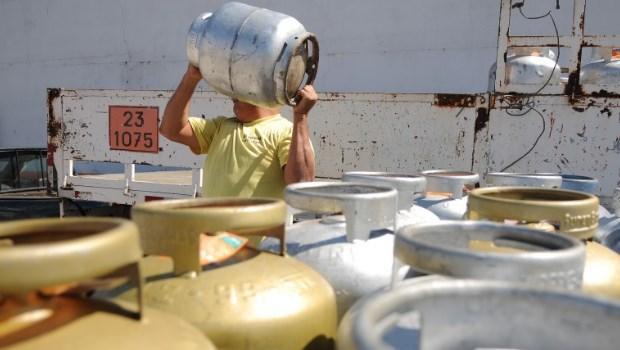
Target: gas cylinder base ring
column 484, row 250
column 297, row 44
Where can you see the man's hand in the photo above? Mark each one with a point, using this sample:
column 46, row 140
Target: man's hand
column 306, row 101
column 193, row 73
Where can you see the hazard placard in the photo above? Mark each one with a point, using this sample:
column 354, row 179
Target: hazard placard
column 134, row 128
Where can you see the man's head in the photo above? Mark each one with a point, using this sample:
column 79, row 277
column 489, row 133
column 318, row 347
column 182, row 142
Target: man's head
column 247, row 112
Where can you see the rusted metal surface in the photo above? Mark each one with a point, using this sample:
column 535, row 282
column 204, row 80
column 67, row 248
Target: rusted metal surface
column 53, row 126
column 454, row 100
column 482, row 118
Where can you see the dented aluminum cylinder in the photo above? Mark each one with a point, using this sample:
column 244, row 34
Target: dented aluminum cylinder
column 253, row 54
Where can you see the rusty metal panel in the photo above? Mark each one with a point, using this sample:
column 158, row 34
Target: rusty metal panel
column 78, row 129
column 84, row 128
column 579, row 137
column 393, row 132
column 381, row 132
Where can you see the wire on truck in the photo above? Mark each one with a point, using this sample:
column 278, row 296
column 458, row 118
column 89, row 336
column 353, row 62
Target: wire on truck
column 529, row 104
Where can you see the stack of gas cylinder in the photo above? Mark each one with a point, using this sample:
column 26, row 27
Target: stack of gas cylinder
column 390, row 261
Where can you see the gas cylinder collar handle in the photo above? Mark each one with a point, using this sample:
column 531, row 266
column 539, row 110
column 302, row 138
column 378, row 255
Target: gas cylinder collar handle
column 365, row 207
column 73, row 254
column 408, row 186
column 485, row 250
column 569, row 212
column 449, row 181
column 173, row 227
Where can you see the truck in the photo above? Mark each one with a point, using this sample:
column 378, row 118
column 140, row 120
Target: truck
column 563, row 127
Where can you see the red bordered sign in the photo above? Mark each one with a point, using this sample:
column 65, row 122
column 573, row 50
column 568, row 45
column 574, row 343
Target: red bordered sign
column 134, row 128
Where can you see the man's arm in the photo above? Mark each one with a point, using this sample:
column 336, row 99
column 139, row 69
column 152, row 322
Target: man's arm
column 175, row 125
column 300, row 164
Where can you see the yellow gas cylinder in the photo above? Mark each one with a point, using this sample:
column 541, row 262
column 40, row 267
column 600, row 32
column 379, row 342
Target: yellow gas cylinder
column 569, row 212
column 254, row 299
column 45, row 267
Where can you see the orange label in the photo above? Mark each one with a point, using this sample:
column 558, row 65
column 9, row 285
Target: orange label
column 134, row 128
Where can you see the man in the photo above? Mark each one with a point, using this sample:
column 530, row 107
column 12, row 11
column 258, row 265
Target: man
column 256, row 153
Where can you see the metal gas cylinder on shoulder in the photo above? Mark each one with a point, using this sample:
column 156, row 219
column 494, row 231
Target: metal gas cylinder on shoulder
column 409, row 187
column 431, row 313
column 46, row 267
column 249, row 299
column 353, row 251
column 446, row 192
column 568, row 212
column 253, row 54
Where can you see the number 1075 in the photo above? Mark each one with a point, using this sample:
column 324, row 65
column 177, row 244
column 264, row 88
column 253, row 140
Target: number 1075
column 133, row 139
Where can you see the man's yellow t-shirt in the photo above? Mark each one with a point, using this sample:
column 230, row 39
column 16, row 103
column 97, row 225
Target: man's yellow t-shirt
column 243, row 159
